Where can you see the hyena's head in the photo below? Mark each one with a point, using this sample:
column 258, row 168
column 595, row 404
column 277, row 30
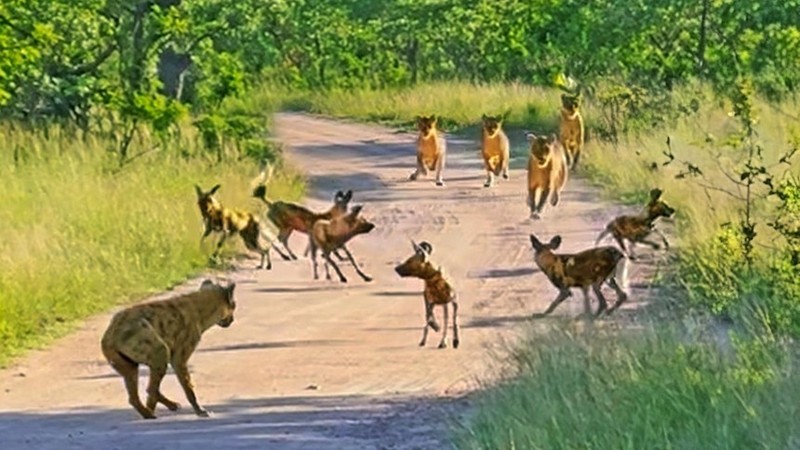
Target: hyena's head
column 658, row 208
column 542, row 148
column 206, row 201
column 570, row 102
column 341, row 201
column 224, row 296
column 357, row 223
column 491, row 124
column 426, row 125
column 416, row 264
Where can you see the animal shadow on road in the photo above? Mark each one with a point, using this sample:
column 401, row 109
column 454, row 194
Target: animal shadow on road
column 299, row 422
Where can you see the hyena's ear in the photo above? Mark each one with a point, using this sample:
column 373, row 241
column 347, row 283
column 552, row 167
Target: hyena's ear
column 555, row 242
column 230, row 289
column 537, row 245
column 655, row 194
column 214, row 189
column 206, row 284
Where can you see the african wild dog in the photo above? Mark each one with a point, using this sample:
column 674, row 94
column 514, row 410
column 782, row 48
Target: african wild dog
column 431, row 149
column 438, row 291
column 547, row 172
column 495, row 148
column 162, row 333
column 636, row 229
column 256, row 235
column 571, row 129
column 327, row 236
column 589, row 268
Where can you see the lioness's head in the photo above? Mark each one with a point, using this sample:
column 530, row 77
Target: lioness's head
column 227, row 305
column 570, row 103
column 542, row 147
column 426, row 125
column 491, row 124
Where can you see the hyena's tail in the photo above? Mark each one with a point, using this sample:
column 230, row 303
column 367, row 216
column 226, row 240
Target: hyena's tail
column 621, row 272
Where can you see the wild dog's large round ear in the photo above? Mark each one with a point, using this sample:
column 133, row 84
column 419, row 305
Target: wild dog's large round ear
column 537, row 245
column 198, row 190
column 339, row 194
column 484, row 116
column 356, row 210
column 555, row 242
column 552, row 138
column 433, row 118
column 349, row 194
column 427, row 247
column 214, row 189
column 655, row 194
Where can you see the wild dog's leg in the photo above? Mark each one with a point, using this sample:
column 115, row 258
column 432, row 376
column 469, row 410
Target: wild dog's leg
column 445, row 314
column 654, row 245
column 621, row 295
column 563, row 294
column 455, row 322
column 663, row 238
column 327, row 269
column 313, row 249
column 283, row 237
column 221, row 242
column 587, row 301
column 364, row 276
column 327, row 258
column 129, row 371
column 185, row 379
column 430, row 321
column 339, row 255
column 621, row 241
column 600, row 298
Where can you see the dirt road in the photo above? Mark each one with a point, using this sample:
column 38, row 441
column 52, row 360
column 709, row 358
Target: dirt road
column 317, row 364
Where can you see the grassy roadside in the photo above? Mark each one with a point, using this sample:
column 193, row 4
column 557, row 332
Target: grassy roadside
column 657, row 388
column 80, row 236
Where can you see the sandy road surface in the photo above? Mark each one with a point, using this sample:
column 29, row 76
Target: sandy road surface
column 320, row 364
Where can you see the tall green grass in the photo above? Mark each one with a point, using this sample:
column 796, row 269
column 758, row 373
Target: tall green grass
column 79, row 234
column 652, row 389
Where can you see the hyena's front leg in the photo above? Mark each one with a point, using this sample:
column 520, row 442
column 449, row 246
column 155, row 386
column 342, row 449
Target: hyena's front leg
column 185, row 379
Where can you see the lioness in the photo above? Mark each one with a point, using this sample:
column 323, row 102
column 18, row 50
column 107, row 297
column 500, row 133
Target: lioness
column 165, row 332
column 495, row 149
column 547, row 172
column 571, row 131
column 431, row 150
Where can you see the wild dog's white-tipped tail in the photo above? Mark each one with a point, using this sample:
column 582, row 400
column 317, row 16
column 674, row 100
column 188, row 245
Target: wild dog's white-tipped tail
column 621, row 273
column 602, row 235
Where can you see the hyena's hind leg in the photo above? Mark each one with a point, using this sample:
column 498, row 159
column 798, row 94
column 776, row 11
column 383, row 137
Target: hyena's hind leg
column 129, row 370
column 157, row 362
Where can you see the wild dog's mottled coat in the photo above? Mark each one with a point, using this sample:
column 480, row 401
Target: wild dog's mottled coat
column 495, row 149
column 571, row 129
column 163, row 333
column 328, row 236
column 431, row 150
column 289, row 217
column 636, row 229
column 547, row 172
column 438, row 291
column 258, row 236
column 589, row 268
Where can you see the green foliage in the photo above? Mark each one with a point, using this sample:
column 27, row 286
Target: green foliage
column 653, row 389
column 81, row 236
